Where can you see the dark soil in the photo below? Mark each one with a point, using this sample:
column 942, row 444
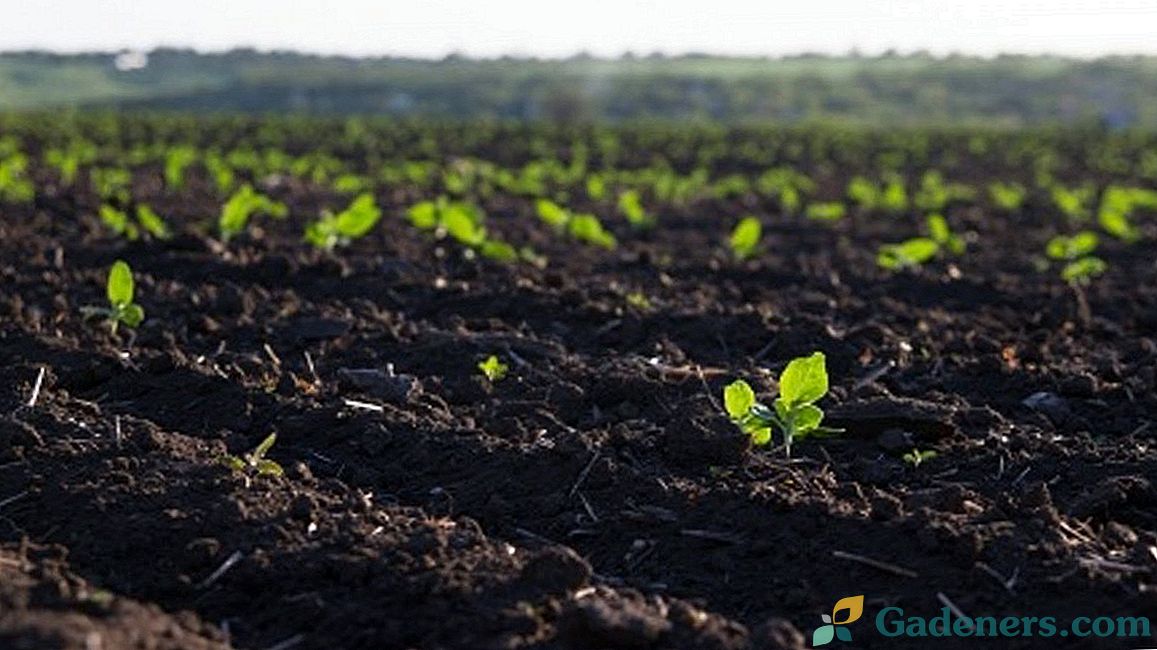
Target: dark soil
column 594, row 498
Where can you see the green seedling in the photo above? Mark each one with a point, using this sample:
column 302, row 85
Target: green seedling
column 794, row 413
column 493, row 368
column 863, row 193
column 340, row 229
column 584, row 227
column 941, row 233
column 631, row 206
column 1074, row 202
column 1117, row 206
column 255, row 461
column 1081, row 266
column 830, row 211
column 916, row 457
column 907, row 254
column 1007, row 196
column 920, row 250
column 177, row 160
column 463, row 222
column 240, row 207
column 120, row 289
column 745, row 238
column 147, row 219
column 639, row 301
column 15, row 186
column 112, row 184
column 588, row 229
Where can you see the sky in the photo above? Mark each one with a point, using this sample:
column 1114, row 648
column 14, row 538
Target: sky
column 491, row 28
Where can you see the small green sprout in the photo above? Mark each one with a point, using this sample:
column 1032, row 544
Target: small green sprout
column 916, row 457
column 152, row 222
column 829, row 211
column 745, row 238
column 941, row 233
column 631, row 205
column 908, row 254
column 584, row 227
column 1007, row 196
column 794, row 413
column 119, row 289
column 244, row 203
column 587, row 228
column 639, row 301
column 918, row 250
column 1081, row 266
column 493, row 368
column 340, row 229
column 255, row 461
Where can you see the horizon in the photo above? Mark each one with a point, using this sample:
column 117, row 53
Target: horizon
column 507, row 28
column 628, row 55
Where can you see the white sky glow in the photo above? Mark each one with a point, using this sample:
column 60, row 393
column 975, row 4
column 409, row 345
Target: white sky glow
column 490, row 28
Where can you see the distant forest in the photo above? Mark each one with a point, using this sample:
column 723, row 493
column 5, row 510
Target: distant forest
column 881, row 90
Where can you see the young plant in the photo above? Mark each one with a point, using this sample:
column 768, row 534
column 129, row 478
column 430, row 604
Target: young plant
column 916, row 457
column 340, row 229
column 240, row 207
column 464, row 223
column 631, row 205
column 829, row 211
column 584, row 227
column 588, row 229
column 745, row 238
column 493, row 369
column 121, row 224
column 255, row 461
column 15, row 186
column 120, row 289
column 919, row 250
column 941, row 233
column 1081, row 266
column 1007, row 196
column 794, row 413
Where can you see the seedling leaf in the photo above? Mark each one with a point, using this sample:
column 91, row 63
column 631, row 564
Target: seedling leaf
column 120, row 284
column 804, row 381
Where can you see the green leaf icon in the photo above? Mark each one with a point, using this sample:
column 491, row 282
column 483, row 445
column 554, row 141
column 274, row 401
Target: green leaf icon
column 823, row 635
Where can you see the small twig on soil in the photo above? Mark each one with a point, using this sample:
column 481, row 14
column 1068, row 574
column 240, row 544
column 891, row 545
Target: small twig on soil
column 1007, row 583
column 117, row 429
column 587, row 506
column 36, row 387
column 876, row 564
column 583, row 474
column 14, row 498
column 1020, row 477
column 710, row 535
column 291, row 642
column 536, row 537
column 706, row 388
column 310, row 367
column 365, row 406
column 221, row 570
column 272, row 355
column 1110, row 565
column 764, row 350
column 874, row 375
column 1080, row 537
column 952, row 606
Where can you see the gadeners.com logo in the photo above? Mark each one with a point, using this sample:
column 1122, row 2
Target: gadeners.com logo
column 847, row 610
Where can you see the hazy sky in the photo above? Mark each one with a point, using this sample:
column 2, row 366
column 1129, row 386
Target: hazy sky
column 496, row 27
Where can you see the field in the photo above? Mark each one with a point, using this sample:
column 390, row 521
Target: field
column 995, row 397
